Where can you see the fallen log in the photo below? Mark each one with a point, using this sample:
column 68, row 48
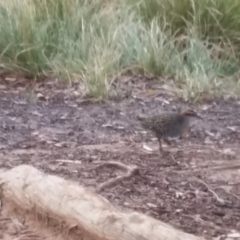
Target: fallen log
column 79, row 208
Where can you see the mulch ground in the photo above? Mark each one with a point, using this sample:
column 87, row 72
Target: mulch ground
column 196, row 188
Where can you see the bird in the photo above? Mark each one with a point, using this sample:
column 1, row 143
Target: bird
column 165, row 125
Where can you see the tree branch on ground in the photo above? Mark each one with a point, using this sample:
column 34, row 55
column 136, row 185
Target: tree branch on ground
column 130, row 171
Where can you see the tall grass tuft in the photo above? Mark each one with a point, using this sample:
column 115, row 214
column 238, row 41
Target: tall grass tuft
column 197, row 42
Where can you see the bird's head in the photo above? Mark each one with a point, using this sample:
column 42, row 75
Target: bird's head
column 190, row 113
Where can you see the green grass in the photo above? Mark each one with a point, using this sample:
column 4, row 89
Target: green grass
column 195, row 42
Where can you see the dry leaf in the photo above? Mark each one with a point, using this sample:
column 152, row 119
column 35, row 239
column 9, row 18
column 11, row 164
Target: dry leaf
column 178, row 210
column 151, row 205
column 205, row 107
column 147, row 148
column 10, row 79
column 179, row 194
column 229, row 151
column 208, row 141
column 209, row 133
column 41, row 97
column 69, row 161
column 234, row 235
column 232, row 128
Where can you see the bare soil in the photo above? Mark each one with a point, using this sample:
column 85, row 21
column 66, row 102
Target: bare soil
column 196, row 188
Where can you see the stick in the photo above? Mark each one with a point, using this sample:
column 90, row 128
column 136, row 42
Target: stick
column 130, row 171
column 220, row 200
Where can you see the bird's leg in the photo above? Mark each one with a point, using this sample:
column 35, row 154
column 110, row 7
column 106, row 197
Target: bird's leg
column 160, row 145
column 162, row 152
column 168, row 153
column 167, row 141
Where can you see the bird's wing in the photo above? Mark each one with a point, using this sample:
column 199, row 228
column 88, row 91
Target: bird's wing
column 168, row 121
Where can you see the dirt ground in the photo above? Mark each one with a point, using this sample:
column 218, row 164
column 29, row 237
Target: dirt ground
column 196, row 188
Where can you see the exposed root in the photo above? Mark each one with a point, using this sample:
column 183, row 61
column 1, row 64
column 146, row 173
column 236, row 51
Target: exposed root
column 130, row 171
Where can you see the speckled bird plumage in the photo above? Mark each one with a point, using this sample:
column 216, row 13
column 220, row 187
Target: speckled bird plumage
column 168, row 124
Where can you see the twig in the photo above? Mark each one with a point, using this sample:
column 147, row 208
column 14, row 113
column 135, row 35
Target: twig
column 130, row 171
column 69, row 161
column 234, row 195
column 227, row 167
column 220, row 200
